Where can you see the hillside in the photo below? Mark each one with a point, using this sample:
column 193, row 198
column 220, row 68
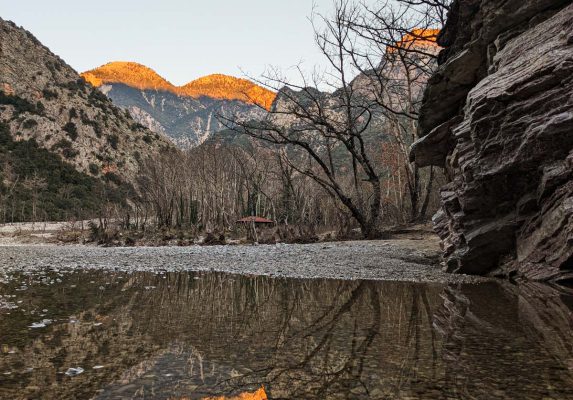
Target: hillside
column 188, row 113
column 45, row 100
column 65, row 149
column 37, row 185
column 186, row 120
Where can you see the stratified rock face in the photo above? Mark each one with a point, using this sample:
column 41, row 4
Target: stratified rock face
column 44, row 99
column 498, row 114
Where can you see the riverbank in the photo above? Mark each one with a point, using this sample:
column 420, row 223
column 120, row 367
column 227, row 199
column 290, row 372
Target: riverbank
column 391, row 260
column 417, row 237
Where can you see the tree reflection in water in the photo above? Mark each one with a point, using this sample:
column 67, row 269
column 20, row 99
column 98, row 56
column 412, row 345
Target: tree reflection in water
column 196, row 336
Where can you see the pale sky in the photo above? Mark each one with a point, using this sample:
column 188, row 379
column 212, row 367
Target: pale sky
column 180, row 39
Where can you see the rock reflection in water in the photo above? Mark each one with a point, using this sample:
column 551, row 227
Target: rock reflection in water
column 197, row 336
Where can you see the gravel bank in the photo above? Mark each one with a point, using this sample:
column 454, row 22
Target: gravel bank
column 377, row 260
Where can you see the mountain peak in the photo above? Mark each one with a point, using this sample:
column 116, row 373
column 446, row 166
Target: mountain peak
column 221, row 86
column 129, row 73
column 217, row 86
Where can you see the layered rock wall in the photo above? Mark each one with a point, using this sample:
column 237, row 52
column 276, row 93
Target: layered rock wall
column 498, row 115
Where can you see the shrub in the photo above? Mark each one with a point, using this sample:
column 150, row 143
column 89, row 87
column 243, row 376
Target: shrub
column 62, row 144
column 73, row 113
column 111, row 177
column 21, row 105
column 40, row 108
column 69, row 153
column 113, row 140
column 97, row 97
column 97, row 129
column 87, row 121
column 49, row 94
column 71, row 130
column 29, row 123
column 53, row 66
column 77, row 85
column 136, row 126
column 94, row 169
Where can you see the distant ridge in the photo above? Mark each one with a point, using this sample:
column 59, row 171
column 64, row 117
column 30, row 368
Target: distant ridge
column 216, row 86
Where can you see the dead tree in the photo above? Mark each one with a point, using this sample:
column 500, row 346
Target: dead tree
column 396, row 56
column 324, row 134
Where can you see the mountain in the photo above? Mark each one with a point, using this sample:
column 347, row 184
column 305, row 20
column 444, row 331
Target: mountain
column 188, row 113
column 131, row 74
column 58, row 134
column 44, row 99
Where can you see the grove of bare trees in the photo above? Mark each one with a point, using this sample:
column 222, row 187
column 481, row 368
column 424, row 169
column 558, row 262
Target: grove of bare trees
column 209, row 188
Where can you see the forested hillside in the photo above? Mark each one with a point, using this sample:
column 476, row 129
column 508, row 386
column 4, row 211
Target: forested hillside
column 37, row 185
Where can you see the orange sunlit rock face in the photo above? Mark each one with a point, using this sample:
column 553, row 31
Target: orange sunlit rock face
column 216, row 86
column 258, row 395
column 418, row 38
column 8, row 89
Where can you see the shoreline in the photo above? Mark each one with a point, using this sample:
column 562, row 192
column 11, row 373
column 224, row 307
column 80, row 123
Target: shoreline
column 385, row 260
column 411, row 254
column 77, row 234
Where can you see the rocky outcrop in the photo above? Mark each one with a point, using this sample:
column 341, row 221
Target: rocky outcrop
column 498, row 115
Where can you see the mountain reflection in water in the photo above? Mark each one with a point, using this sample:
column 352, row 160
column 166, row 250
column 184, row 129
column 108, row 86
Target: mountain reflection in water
column 211, row 335
column 258, row 395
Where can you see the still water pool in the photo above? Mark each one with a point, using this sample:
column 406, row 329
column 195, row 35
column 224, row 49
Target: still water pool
column 188, row 335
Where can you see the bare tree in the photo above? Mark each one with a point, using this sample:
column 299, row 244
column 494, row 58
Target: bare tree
column 379, row 60
column 321, row 157
column 35, row 184
column 325, row 135
column 396, row 57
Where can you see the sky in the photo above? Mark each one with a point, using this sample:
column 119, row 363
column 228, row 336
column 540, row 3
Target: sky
column 180, row 39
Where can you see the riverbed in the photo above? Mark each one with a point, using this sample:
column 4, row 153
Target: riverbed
column 353, row 320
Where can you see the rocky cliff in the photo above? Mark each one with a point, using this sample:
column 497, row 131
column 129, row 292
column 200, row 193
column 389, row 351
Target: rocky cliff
column 188, row 113
column 43, row 99
column 498, row 115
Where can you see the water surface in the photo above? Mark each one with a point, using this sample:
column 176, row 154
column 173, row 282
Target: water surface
column 171, row 335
